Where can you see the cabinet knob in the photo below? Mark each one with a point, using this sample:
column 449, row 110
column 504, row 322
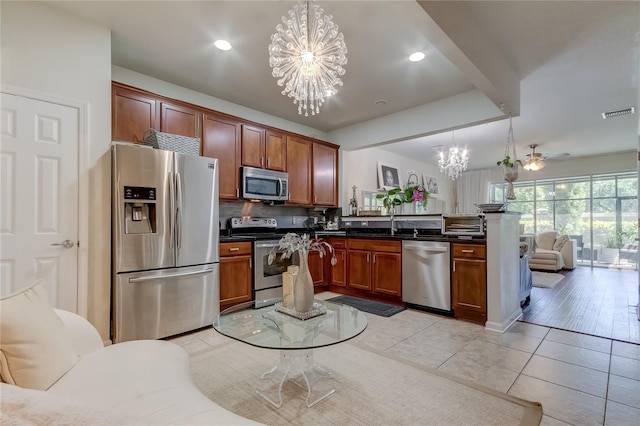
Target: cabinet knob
column 234, row 249
column 268, row 162
column 468, row 251
column 261, row 161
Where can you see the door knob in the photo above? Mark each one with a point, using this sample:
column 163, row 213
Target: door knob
column 66, row 244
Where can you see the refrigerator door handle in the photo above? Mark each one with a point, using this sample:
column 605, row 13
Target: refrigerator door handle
column 179, row 211
column 160, row 277
column 172, row 208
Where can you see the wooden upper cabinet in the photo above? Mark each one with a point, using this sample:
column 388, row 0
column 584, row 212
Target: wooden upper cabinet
column 221, row 140
column 276, row 151
column 132, row 114
column 252, row 146
column 180, row 120
column 262, row 148
column 325, row 175
column 299, row 153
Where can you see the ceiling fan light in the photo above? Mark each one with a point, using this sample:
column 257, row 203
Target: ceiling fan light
column 534, row 164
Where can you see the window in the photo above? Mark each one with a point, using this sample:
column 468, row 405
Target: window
column 600, row 212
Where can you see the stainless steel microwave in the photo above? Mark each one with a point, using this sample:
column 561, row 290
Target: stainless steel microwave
column 262, row 184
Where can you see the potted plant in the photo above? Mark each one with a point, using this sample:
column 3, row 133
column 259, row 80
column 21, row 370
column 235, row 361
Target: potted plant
column 510, row 171
column 391, row 199
column 508, row 163
column 417, row 196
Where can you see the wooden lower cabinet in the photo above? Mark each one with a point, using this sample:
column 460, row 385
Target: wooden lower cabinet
column 236, row 274
column 316, row 268
column 375, row 266
column 387, row 270
column 338, row 271
column 359, row 270
column 469, row 282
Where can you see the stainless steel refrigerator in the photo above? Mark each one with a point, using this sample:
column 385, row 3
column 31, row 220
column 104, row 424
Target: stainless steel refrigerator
column 165, row 235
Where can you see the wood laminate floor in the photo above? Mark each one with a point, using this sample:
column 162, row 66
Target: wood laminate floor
column 596, row 301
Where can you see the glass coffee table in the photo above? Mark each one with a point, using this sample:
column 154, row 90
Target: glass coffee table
column 296, row 339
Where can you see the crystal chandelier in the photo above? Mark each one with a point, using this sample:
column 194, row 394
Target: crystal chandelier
column 307, row 54
column 456, row 162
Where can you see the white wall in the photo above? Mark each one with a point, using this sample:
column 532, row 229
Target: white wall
column 359, row 168
column 49, row 52
column 583, row 166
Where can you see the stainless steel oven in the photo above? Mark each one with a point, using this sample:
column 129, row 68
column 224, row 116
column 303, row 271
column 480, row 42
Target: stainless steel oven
column 267, row 279
column 267, row 282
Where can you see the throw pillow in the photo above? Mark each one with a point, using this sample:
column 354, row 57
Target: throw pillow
column 545, row 240
column 35, row 348
column 560, row 242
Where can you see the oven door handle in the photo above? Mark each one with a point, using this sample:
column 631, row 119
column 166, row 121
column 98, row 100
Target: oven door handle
column 267, row 245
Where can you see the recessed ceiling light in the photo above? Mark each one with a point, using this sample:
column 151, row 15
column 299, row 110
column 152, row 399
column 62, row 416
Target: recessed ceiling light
column 416, row 57
column 222, row 44
column 381, row 102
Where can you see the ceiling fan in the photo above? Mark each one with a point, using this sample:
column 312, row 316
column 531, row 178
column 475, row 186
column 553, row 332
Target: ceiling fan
column 536, row 161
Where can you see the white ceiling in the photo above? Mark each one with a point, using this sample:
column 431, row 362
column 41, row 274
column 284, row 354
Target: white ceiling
column 574, row 60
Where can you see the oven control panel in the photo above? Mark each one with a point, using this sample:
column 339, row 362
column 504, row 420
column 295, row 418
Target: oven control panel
column 253, row 222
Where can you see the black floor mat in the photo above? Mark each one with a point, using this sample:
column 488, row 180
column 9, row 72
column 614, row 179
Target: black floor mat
column 369, row 306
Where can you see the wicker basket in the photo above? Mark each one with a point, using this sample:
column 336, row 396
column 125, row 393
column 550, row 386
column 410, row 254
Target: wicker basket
column 171, row 142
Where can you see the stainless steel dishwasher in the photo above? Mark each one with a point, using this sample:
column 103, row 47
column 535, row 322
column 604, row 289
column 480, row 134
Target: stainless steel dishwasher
column 426, row 276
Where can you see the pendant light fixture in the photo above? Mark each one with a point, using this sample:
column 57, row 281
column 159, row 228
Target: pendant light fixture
column 456, row 162
column 307, row 55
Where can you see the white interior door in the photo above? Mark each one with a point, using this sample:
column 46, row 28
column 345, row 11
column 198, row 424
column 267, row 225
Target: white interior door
column 39, row 198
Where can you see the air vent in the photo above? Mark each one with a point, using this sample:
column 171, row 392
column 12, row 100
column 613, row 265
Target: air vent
column 625, row 111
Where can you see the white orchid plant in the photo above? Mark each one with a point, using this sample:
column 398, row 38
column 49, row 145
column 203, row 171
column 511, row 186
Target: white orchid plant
column 293, row 242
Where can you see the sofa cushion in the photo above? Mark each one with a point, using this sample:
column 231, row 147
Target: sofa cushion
column 35, row 407
column 149, row 380
column 35, row 348
column 545, row 240
column 560, row 242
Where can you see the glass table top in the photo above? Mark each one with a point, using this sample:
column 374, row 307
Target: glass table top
column 268, row 328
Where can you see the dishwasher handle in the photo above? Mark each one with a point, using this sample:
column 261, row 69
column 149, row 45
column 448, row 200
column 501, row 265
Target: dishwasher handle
column 427, row 249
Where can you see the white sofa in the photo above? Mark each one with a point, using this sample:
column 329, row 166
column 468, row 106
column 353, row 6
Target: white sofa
column 553, row 252
column 135, row 382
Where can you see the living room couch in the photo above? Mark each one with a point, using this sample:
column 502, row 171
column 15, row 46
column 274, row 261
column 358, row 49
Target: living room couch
column 553, row 252
column 135, row 382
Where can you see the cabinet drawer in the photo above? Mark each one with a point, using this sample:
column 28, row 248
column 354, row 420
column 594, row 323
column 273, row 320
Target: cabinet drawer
column 337, row 243
column 235, row 249
column 470, row 251
column 375, row 245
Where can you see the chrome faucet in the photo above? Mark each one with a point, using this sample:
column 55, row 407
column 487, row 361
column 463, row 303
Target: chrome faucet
column 393, row 228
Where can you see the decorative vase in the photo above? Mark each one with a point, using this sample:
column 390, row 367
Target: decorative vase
column 420, row 207
column 409, row 208
column 303, row 287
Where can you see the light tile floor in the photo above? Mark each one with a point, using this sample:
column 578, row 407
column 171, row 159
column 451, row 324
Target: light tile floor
column 579, row 379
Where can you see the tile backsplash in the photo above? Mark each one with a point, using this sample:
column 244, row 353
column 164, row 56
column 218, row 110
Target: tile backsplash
column 287, row 216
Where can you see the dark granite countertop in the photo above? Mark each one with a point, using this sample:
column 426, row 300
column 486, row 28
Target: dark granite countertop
column 381, row 234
